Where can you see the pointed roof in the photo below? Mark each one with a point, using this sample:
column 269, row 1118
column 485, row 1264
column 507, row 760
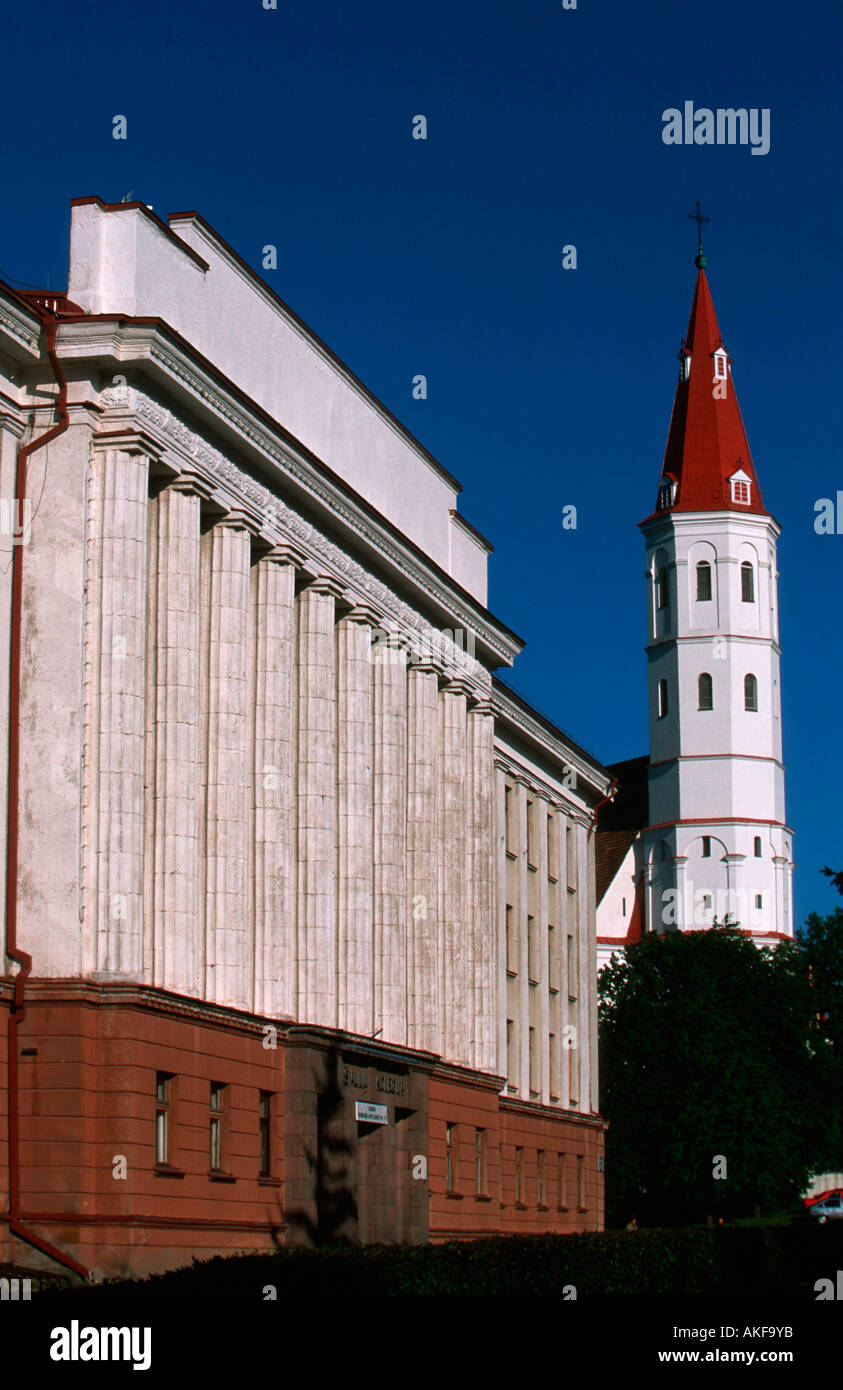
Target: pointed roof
column 707, row 442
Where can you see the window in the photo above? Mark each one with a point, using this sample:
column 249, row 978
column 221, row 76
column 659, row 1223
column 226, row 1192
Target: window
column 560, row 1180
column 684, row 365
column 664, row 499
column 662, row 591
column 705, row 690
column 264, row 1134
column 511, row 943
column 572, row 970
column 509, row 816
column 217, row 1111
column 532, row 950
column 740, row 491
column 518, row 1153
column 706, row 846
column 450, row 1164
column 580, row 1181
column 759, row 900
column 510, row 1053
column 531, row 834
column 758, row 847
column 572, row 1076
column 747, row 583
column 719, row 366
column 552, row 960
column 623, row 907
column 706, row 902
column 750, row 693
column 162, row 1115
column 554, row 1066
column 540, row 1177
column 703, row 582
column 570, row 857
column 552, row 850
column 534, row 1071
column 662, row 699
column 479, row 1164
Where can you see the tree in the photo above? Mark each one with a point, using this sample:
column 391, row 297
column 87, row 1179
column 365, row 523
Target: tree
column 705, row 1059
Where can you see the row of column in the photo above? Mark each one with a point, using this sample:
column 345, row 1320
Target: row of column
column 276, row 821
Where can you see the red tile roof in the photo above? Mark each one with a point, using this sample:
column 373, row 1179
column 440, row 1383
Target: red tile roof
column 707, row 441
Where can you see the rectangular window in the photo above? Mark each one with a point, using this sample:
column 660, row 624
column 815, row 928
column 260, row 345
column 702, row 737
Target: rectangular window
column 553, row 1067
column 509, row 814
column 553, row 958
column 216, row 1121
column 757, row 846
column 512, row 1080
column 163, row 1080
column 571, row 857
column 450, row 1157
column 511, row 942
column 532, row 855
column 572, row 1076
column 572, row 969
column 534, row 1079
column 264, row 1134
column 540, row 1177
column 706, row 846
column 560, row 1180
column 552, row 850
column 532, row 949
column 580, row 1181
column 703, row 582
column 479, row 1162
column 518, row 1153
column 759, row 900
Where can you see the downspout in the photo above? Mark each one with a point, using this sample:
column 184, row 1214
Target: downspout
column 608, row 797
column 17, row 1012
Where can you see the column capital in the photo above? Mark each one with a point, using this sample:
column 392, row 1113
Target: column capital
column 236, row 519
column 192, row 483
column 483, row 707
column 324, row 584
column 457, row 686
column 132, row 440
column 13, row 423
column 286, row 553
column 363, row 613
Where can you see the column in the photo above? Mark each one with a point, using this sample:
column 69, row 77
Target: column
column 484, row 914
column 115, row 712
column 317, row 804
column 422, row 858
column 354, row 820
column 227, row 932
column 173, row 742
column 454, row 1003
column 274, row 780
column 389, row 821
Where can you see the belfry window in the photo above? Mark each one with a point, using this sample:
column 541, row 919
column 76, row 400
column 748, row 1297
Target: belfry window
column 747, row 583
column 750, row 693
column 703, row 582
column 706, row 691
column 662, row 589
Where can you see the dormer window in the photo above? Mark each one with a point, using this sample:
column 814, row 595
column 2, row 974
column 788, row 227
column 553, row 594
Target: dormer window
column 720, row 367
column 665, row 495
column 684, row 365
column 741, row 488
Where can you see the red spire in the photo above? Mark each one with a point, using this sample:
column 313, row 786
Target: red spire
column 707, row 443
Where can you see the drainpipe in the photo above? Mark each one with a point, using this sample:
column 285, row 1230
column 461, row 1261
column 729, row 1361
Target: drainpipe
column 13, row 951
column 608, row 797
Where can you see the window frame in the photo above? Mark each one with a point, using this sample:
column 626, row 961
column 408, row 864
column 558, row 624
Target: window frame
column 703, row 571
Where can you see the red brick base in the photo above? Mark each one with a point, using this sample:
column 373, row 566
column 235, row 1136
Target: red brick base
column 90, row 1184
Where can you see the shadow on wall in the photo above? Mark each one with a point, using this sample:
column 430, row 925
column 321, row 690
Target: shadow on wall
column 331, row 1163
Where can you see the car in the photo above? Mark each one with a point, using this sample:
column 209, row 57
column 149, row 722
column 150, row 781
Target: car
column 828, row 1209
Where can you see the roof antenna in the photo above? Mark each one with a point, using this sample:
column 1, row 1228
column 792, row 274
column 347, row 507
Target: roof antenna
column 127, row 197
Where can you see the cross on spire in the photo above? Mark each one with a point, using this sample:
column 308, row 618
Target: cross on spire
column 697, row 217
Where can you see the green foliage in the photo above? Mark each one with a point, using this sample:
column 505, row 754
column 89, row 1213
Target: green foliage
column 786, row 1259
column 705, row 1052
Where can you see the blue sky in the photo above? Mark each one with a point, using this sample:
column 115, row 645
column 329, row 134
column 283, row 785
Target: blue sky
column 444, row 257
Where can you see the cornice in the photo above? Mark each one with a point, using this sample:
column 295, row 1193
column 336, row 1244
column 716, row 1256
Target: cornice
column 510, row 710
column 17, row 324
column 134, row 413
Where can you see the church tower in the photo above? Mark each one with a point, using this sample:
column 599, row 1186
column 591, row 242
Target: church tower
column 716, row 845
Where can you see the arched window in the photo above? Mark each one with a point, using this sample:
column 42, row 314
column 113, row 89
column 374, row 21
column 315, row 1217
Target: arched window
column 750, row 693
column 662, row 699
column 706, row 691
column 747, row 583
column 703, row 582
column 758, row 847
column 706, row 846
column 662, row 591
